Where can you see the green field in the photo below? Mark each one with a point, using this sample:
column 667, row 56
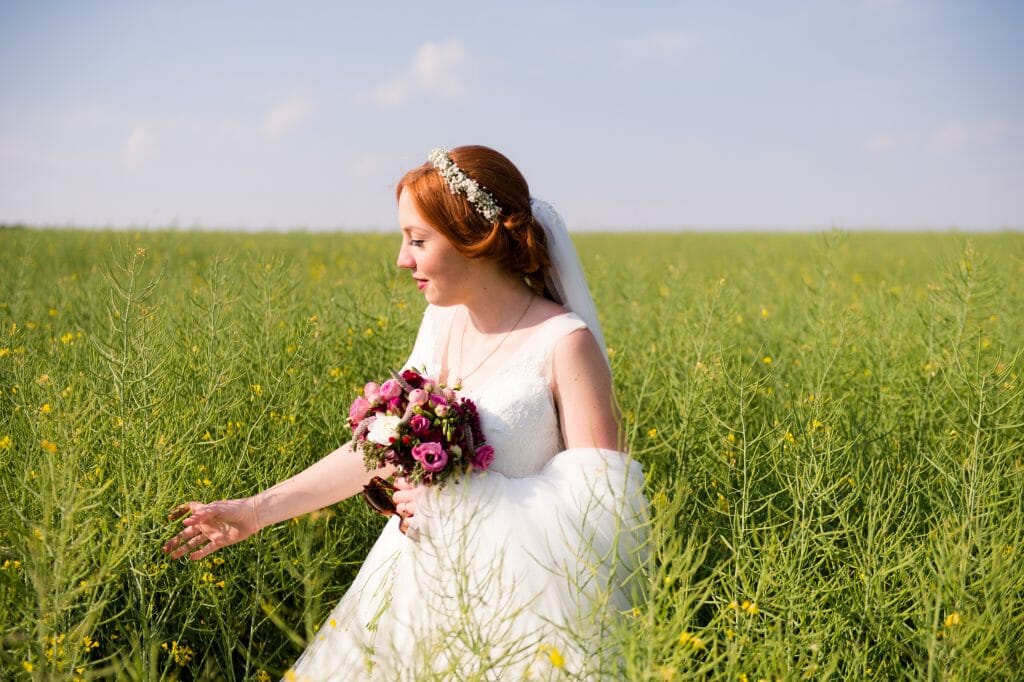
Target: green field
column 832, row 427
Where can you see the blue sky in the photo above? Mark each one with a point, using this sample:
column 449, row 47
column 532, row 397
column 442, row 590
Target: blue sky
column 696, row 115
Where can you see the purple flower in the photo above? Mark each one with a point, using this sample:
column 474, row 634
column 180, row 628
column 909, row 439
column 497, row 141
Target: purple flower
column 360, row 406
column 395, row 405
column 420, row 424
column 371, row 391
column 431, row 455
column 418, row 396
column 390, row 389
column 483, row 457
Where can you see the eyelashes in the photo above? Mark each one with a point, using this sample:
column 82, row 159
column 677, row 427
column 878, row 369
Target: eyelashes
column 416, row 242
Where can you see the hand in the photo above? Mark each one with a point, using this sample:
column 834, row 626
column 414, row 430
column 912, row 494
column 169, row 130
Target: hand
column 405, row 499
column 211, row 526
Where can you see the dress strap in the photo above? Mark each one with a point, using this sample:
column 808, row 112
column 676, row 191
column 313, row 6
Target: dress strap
column 552, row 331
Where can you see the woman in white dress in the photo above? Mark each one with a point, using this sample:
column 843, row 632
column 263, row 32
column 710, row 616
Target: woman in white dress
column 520, row 571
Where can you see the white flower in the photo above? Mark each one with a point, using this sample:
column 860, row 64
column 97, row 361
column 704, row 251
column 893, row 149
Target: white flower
column 458, row 181
column 383, row 429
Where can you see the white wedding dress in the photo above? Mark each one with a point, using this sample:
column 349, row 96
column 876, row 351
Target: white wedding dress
column 519, row 572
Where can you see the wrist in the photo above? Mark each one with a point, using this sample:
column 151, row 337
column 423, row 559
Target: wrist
column 252, row 505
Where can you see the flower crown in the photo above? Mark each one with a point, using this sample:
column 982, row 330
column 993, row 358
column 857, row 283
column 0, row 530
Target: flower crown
column 458, row 181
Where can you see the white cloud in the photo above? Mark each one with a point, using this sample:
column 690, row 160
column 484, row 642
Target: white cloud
column 880, row 143
column 286, row 115
column 438, row 69
column 956, row 136
column 658, row 44
column 136, row 150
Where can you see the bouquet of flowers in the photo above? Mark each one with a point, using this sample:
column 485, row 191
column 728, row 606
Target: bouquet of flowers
column 424, row 429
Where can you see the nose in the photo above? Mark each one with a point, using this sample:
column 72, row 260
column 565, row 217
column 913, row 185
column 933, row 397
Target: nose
column 405, row 259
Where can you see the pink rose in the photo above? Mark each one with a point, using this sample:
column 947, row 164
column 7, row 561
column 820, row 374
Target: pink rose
column 360, row 406
column 448, row 394
column 390, row 389
column 483, row 457
column 395, row 405
column 371, row 391
column 418, row 396
column 420, row 424
column 431, row 455
column 441, row 410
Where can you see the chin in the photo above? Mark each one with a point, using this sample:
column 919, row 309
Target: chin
column 439, row 299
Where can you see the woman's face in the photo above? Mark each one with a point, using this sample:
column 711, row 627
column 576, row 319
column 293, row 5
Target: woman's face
column 442, row 273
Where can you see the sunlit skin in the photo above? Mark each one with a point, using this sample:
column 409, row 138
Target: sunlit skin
column 490, row 301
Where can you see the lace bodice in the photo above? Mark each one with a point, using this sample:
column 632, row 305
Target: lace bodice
column 517, row 410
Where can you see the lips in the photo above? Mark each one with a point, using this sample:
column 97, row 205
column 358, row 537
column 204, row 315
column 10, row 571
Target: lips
column 420, row 283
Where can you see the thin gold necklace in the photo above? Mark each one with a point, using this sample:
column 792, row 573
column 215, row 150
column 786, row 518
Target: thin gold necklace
column 462, row 345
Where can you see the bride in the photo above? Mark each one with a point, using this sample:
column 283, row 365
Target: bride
column 517, row 572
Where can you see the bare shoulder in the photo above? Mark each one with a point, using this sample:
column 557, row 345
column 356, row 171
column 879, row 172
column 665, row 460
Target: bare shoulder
column 581, row 384
column 577, row 358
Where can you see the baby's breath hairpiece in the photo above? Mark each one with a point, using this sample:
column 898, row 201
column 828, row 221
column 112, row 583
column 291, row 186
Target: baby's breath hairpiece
column 458, row 181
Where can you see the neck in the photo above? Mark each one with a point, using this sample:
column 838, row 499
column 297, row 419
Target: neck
column 497, row 302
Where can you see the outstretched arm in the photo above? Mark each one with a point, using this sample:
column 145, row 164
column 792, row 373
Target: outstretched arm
column 208, row 527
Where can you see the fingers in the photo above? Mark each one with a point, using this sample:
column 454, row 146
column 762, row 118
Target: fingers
column 190, row 538
column 206, row 551
column 182, row 509
column 402, row 483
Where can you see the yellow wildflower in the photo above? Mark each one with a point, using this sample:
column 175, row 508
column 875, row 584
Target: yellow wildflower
column 653, row 433
column 335, row 372
column 256, row 389
column 27, row 665
column 181, row 653
column 5, row 443
column 49, row 446
column 749, row 607
column 767, row 359
column 952, row 619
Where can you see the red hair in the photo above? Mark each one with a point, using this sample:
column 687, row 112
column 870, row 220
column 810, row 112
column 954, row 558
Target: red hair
column 514, row 239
